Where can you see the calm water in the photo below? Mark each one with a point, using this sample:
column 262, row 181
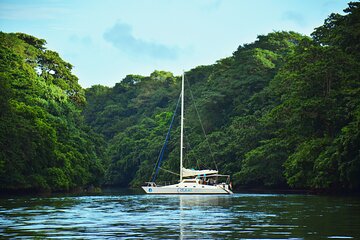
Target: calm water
column 127, row 215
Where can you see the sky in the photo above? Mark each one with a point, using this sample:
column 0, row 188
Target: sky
column 109, row 39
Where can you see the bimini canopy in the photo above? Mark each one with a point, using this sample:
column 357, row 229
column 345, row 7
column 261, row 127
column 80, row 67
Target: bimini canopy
column 193, row 173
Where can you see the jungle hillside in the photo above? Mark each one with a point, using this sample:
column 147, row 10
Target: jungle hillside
column 281, row 112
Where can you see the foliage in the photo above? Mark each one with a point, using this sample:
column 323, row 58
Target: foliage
column 44, row 142
column 281, row 111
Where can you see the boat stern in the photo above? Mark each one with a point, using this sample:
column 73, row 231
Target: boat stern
column 147, row 189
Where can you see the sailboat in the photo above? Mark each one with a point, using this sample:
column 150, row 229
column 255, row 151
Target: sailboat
column 191, row 181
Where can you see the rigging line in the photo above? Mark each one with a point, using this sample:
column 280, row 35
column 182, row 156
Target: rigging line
column 169, row 171
column 188, row 147
column 161, row 154
column 202, row 126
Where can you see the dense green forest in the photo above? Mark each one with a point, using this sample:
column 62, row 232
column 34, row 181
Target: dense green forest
column 45, row 144
column 281, row 112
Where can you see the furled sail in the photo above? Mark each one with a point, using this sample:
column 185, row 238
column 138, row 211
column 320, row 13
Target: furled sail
column 192, row 173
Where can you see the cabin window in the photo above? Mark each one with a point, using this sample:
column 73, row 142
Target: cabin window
column 202, row 186
column 189, row 181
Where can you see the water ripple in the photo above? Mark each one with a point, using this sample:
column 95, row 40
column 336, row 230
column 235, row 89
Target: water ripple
column 245, row 216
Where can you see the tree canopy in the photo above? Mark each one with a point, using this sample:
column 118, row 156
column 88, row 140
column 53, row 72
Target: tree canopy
column 283, row 111
column 44, row 142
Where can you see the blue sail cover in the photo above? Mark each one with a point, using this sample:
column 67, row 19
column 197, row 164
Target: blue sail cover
column 158, row 164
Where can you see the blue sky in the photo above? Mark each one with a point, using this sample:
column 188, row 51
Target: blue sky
column 109, row 39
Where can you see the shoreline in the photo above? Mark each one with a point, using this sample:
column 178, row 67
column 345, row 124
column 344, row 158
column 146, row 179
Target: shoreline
column 132, row 190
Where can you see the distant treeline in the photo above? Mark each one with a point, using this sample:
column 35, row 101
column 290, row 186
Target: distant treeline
column 281, row 112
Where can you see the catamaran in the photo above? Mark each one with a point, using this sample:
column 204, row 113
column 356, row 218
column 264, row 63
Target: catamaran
column 191, row 181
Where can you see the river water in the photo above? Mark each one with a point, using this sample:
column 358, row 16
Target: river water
column 113, row 215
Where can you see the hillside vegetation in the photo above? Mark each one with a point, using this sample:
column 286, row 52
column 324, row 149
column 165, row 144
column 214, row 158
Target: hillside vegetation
column 281, row 112
column 45, row 144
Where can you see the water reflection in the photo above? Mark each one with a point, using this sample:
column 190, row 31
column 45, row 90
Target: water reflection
column 245, row 216
column 203, row 215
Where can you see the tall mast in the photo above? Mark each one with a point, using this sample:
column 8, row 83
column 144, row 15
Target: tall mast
column 182, row 127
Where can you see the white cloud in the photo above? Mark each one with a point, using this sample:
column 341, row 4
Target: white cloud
column 121, row 37
column 295, row 17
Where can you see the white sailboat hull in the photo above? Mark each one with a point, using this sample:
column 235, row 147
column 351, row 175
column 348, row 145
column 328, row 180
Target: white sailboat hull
column 188, row 189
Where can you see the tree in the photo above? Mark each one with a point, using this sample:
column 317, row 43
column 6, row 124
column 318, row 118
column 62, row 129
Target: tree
column 44, row 142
